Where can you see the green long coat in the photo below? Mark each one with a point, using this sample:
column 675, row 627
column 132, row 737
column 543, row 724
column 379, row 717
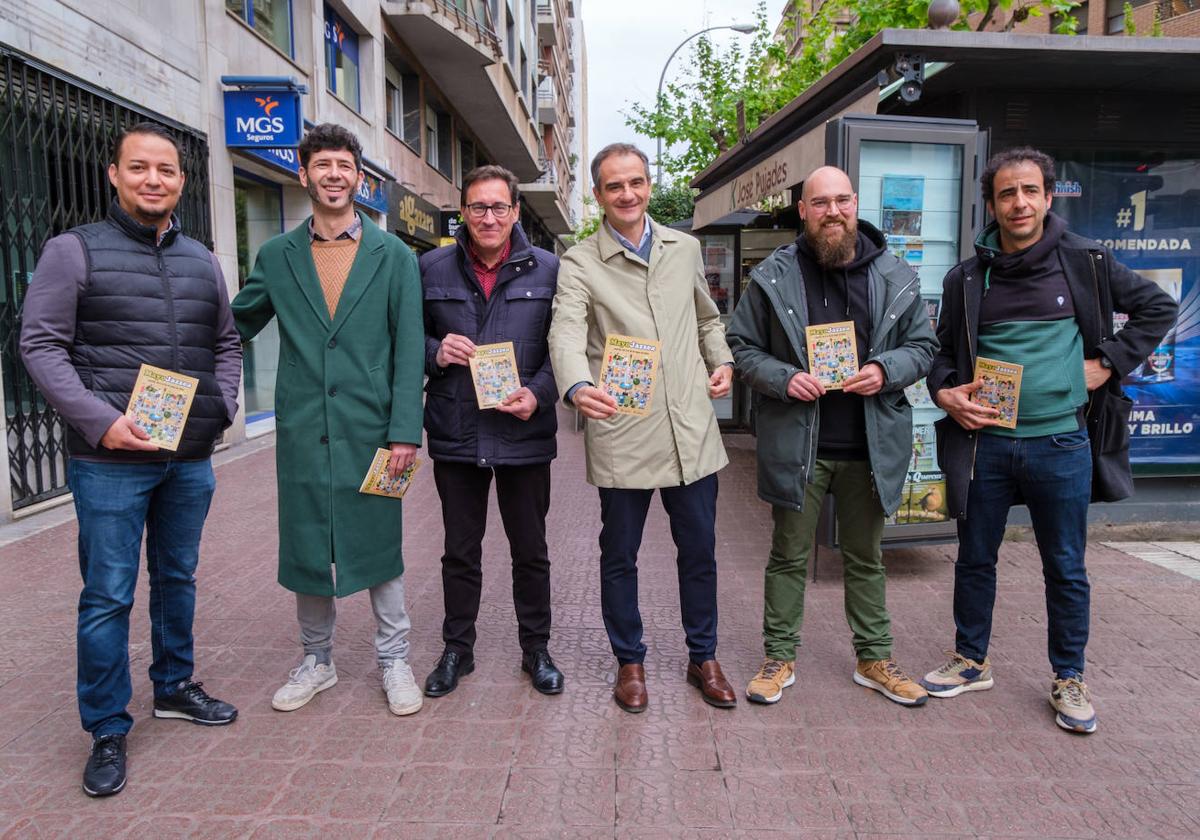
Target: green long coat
column 346, row 387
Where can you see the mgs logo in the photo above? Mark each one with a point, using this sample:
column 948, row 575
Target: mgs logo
column 264, row 126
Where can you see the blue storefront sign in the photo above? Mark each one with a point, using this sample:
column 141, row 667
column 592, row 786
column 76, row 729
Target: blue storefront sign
column 1144, row 210
column 371, row 193
column 262, row 118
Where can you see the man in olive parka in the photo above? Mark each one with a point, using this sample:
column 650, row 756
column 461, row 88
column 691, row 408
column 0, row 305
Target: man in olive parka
column 854, row 442
column 347, row 296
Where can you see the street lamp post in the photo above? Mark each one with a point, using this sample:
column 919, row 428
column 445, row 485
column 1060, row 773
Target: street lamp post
column 743, row 28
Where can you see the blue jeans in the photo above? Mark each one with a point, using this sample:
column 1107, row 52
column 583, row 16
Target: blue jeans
column 1052, row 476
column 113, row 503
column 691, row 509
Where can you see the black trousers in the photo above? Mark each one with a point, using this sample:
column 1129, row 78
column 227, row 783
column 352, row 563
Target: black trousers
column 523, row 493
column 692, row 510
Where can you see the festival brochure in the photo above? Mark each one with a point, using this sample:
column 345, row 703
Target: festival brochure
column 832, row 355
column 1001, row 388
column 494, row 370
column 160, row 403
column 629, row 371
column 379, row 483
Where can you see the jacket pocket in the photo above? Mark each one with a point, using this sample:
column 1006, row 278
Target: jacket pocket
column 449, row 310
column 379, row 386
column 283, row 388
column 526, row 311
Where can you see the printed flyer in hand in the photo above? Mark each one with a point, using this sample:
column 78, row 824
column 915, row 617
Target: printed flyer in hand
column 494, row 370
column 629, row 372
column 832, row 356
column 1001, row 388
column 379, row 483
column 160, row 403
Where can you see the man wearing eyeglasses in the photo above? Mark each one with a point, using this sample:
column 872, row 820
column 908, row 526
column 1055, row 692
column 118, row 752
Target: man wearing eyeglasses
column 854, row 442
column 491, row 286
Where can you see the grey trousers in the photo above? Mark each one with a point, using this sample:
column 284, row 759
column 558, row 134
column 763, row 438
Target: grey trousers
column 317, row 613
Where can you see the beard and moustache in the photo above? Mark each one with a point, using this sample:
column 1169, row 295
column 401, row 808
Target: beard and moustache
column 834, row 242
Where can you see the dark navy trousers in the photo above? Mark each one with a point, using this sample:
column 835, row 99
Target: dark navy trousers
column 692, row 510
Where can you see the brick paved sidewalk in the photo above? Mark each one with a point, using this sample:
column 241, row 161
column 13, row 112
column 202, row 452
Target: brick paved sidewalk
column 496, row 759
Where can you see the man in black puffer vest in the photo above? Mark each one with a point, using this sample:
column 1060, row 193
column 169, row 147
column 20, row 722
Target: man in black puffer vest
column 106, row 298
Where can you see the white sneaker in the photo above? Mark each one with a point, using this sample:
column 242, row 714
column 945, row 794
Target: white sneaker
column 403, row 696
column 303, row 684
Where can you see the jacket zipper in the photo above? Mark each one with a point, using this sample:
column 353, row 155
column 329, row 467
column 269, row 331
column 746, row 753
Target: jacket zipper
column 971, row 355
column 1096, row 289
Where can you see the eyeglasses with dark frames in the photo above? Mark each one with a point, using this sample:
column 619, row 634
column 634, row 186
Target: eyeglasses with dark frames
column 499, row 210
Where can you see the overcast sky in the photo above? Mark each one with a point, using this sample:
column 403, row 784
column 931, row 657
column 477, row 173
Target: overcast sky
column 627, row 43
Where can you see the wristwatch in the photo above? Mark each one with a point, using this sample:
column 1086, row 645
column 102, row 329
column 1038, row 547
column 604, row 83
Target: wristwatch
column 1105, row 362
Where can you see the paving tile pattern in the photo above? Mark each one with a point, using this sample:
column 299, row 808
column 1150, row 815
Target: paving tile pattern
column 497, row 760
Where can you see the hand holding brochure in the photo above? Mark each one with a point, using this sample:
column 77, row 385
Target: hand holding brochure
column 160, row 403
column 1001, row 388
column 379, row 483
column 629, row 372
column 494, row 370
column 832, row 355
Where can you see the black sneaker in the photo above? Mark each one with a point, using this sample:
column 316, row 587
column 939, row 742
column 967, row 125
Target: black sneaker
column 189, row 701
column 104, row 773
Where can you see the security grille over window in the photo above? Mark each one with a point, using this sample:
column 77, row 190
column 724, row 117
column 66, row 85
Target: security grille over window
column 55, row 136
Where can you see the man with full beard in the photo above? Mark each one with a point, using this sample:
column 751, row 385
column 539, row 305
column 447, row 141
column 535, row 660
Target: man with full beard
column 854, row 443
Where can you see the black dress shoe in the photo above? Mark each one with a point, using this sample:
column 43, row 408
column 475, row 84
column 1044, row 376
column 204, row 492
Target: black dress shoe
column 104, row 773
column 444, row 677
column 540, row 667
column 189, row 701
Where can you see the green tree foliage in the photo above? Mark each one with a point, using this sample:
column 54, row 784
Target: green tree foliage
column 697, row 113
column 671, row 203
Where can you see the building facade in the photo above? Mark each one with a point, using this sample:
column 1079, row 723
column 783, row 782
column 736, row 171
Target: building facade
column 431, row 87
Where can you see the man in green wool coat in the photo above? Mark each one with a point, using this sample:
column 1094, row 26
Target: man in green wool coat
column 351, row 358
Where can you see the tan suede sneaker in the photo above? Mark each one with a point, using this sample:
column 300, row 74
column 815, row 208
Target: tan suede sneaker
column 885, row 676
column 772, row 678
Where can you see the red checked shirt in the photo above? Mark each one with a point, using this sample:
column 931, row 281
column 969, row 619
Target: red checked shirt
column 487, row 275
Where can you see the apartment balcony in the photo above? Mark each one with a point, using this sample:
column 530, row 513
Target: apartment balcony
column 456, row 44
column 545, row 197
column 547, row 103
column 547, row 29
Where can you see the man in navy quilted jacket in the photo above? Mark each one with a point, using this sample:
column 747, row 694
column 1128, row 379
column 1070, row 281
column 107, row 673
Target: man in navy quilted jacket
column 489, row 287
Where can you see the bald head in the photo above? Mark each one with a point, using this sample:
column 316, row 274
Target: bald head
column 829, row 209
column 826, row 181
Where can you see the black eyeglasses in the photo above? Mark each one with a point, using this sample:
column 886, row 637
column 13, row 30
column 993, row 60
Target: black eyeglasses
column 500, row 211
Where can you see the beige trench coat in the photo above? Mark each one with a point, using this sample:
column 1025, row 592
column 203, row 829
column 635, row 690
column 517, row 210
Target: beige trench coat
column 604, row 289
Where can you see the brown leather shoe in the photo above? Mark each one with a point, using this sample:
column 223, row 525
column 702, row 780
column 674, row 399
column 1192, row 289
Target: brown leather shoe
column 714, row 688
column 630, row 690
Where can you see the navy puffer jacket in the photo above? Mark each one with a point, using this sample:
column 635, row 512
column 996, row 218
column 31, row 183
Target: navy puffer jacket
column 517, row 311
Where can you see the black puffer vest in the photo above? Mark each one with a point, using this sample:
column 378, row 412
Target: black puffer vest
column 147, row 303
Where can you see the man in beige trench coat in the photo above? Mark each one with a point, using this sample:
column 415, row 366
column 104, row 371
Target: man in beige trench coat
column 636, row 278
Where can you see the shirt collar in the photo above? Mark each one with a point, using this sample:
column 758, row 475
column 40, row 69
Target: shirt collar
column 174, row 226
column 478, row 261
column 353, row 231
column 625, row 242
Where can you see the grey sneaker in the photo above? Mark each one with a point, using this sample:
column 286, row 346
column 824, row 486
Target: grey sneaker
column 959, row 674
column 1072, row 704
column 403, row 696
column 303, row 684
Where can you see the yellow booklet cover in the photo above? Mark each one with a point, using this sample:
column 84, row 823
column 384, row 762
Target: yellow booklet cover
column 494, row 370
column 1001, row 388
column 832, row 354
column 160, row 403
column 379, row 483
column 629, row 372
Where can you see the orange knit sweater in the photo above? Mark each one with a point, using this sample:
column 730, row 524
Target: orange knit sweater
column 333, row 261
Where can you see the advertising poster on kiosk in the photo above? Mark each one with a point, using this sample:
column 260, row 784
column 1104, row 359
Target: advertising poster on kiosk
column 1148, row 212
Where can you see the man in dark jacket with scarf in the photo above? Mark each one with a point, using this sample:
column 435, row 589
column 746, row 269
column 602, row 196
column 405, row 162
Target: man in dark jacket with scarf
column 105, row 299
column 1031, row 296
column 855, row 443
column 491, row 286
